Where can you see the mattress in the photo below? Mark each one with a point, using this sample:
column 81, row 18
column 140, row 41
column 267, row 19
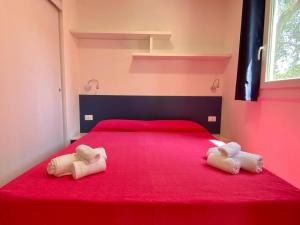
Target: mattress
column 154, row 177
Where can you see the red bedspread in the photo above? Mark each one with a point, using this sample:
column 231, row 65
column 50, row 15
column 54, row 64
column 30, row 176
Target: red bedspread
column 152, row 178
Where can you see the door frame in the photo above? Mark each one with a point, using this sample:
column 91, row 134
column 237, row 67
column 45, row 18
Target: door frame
column 58, row 5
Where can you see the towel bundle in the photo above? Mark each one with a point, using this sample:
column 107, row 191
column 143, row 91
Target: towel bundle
column 92, row 161
column 89, row 154
column 83, row 168
column 229, row 165
column 62, row 165
column 85, row 161
column 250, row 162
column 231, row 159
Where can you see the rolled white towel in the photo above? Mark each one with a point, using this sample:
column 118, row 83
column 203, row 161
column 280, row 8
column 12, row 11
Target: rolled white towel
column 211, row 150
column 82, row 168
column 230, row 149
column 89, row 154
column 62, row 165
column 102, row 152
column 250, row 162
column 229, row 165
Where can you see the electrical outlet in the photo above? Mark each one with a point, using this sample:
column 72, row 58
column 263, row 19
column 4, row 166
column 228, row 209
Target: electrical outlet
column 212, row 119
column 88, row 117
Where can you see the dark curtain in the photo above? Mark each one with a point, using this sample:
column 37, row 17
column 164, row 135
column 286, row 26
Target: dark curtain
column 251, row 39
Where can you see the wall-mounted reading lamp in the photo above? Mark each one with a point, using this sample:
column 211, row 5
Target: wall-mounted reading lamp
column 88, row 87
column 215, row 85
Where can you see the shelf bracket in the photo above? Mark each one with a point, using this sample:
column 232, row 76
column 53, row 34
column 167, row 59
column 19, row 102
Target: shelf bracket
column 151, row 44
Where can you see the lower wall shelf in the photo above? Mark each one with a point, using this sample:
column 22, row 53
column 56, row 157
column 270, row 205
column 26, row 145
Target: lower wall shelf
column 221, row 56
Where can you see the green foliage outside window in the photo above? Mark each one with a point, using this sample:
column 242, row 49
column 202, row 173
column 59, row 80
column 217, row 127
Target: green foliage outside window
column 285, row 40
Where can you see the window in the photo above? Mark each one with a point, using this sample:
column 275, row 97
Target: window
column 283, row 55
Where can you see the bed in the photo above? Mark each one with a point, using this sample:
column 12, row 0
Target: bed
column 156, row 175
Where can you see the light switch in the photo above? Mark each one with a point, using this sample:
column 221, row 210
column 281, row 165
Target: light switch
column 212, row 119
column 88, row 117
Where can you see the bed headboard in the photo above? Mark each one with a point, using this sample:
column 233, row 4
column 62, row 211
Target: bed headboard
column 196, row 108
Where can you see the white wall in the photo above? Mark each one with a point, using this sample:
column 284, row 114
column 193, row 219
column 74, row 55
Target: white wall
column 196, row 26
column 30, row 114
column 269, row 126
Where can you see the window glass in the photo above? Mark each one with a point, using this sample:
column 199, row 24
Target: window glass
column 284, row 41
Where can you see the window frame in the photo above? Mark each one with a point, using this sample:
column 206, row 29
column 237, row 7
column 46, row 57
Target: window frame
column 277, row 84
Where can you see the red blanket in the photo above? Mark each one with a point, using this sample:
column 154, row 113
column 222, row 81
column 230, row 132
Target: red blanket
column 152, row 178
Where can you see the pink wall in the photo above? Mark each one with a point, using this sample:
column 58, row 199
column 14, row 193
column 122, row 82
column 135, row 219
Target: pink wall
column 270, row 126
column 30, row 103
column 118, row 73
column 111, row 62
column 196, row 25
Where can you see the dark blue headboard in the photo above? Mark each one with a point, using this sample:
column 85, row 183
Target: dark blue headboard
column 196, row 108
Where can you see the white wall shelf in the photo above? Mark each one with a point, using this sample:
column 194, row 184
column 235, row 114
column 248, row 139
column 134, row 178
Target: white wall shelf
column 122, row 35
column 151, row 36
column 219, row 56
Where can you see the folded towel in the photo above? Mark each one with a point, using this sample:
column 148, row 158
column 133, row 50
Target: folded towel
column 230, row 149
column 89, row 154
column 62, row 165
column 83, row 168
column 250, row 162
column 214, row 150
column 102, row 152
column 229, row 165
